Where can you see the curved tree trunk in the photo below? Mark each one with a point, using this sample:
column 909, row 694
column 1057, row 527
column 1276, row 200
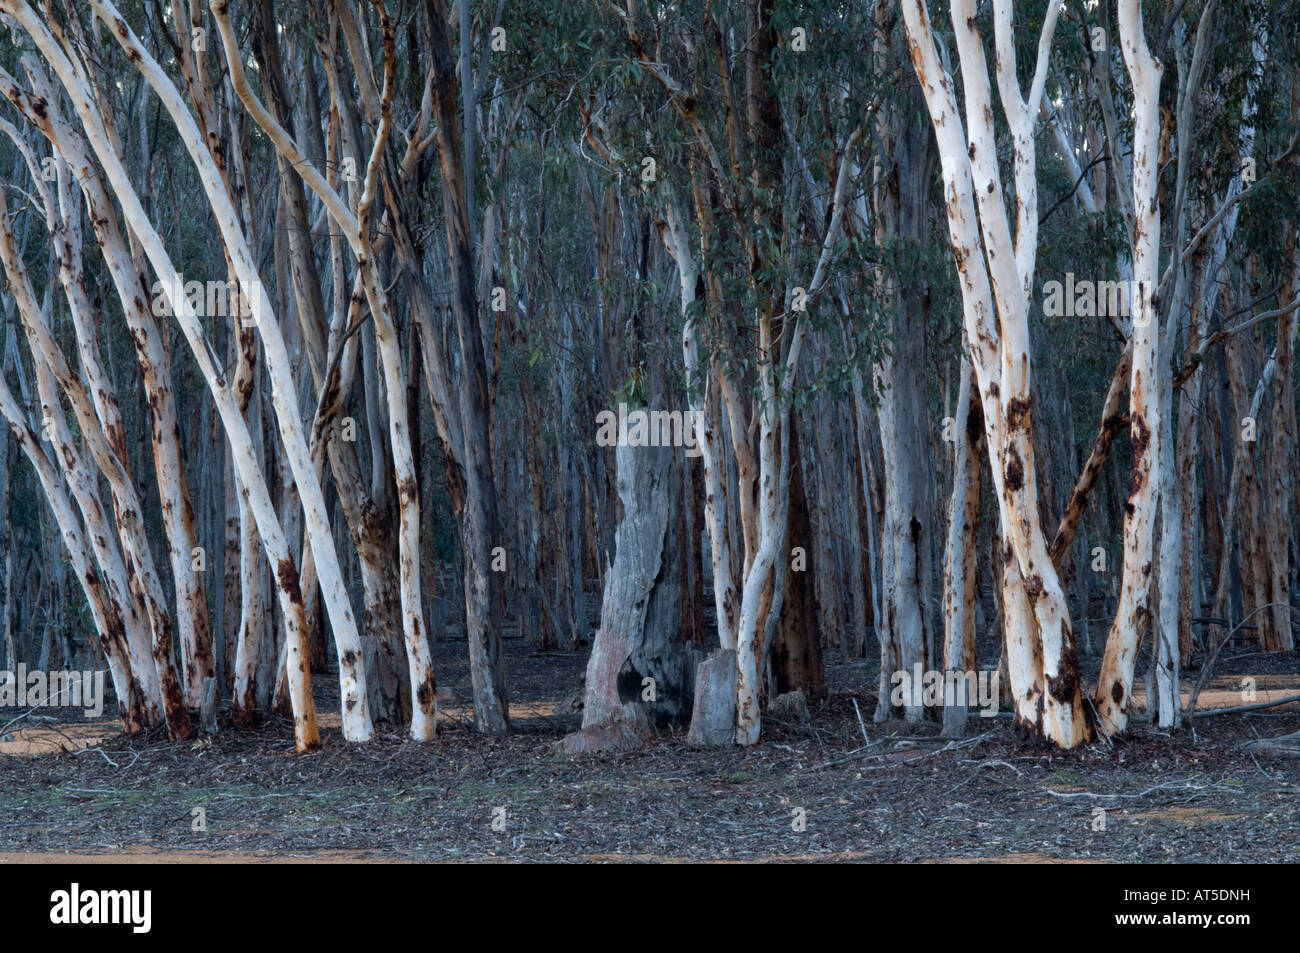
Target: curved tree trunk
column 246, row 464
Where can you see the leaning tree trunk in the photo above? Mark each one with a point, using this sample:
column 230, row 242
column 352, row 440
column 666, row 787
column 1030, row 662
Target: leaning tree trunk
column 148, row 627
column 284, row 401
column 194, row 641
column 106, row 606
column 356, row 724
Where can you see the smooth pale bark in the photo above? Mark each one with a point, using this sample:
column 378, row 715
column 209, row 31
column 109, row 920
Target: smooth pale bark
column 423, row 703
column 760, row 477
column 677, row 241
column 1041, row 603
column 773, row 510
column 356, row 716
column 1145, row 411
column 194, row 640
column 252, row 624
column 763, row 542
column 356, row 726
column 178, row 515
column 724, row 591
column 1039, row 646
column 369, row 519
column 356, row 228
column 248, row 577
column 106, row 607
column 101, row 425
column 764, row 589
column 763, row 592
column 147, row 625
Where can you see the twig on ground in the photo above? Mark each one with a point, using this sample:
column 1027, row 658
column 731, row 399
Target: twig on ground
column 101, row 752
column 858, row 712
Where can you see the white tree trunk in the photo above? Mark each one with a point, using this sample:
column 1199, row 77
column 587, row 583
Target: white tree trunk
column 356, row 716
column 715, row 506
column 355, row 227
column 1039, row 642
column 106, row 606
column 356, row 723
column 1133, row 615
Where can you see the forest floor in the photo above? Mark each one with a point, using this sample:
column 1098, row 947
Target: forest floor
column 83, row 791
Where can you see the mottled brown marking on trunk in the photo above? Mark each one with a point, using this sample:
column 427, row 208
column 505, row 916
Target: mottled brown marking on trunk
column 1018, row 413
column 1063, row 686
column 131, row 53
column 1015, row 477
column 179, row 724
column 243, row 717
column 426, row 693
column 1141, row 436
column 975, row 423
column 1031, row 732
column 287, row 573
column 1117, row 693
column 1034, row 587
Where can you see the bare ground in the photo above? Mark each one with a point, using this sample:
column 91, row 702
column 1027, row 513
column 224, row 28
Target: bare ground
column 84, row 789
